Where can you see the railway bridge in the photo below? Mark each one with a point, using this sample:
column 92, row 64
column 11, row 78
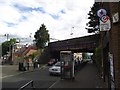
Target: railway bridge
column 80, row 44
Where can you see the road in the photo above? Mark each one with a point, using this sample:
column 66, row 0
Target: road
column 40, row 77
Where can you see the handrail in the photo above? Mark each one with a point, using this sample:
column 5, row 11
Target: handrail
column 30, row 82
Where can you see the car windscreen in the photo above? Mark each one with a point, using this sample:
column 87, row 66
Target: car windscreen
column 57, row 64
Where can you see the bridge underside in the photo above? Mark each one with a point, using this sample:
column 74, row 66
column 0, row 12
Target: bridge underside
column 81, row 44
column 76, row 48
column 56, row 53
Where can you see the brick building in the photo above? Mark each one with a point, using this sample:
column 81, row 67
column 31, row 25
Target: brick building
column 115, row 39
column 111, row 45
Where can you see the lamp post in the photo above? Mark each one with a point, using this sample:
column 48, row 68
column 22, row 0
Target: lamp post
column 7, row 35
column 71, row 31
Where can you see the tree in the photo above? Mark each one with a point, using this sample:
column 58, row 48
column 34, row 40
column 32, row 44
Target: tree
column 98, row 58
column 7, row 46
column 93, row 24
column 41, row 37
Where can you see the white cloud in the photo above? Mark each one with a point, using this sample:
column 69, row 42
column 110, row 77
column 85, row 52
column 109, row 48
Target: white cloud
column 59, row 16
column 9, row 14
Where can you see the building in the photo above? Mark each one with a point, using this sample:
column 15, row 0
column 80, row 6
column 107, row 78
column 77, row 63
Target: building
column 110, row 41
column 115, row 40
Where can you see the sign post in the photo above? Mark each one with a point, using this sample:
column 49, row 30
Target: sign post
column 105, row 26
column 104, row 20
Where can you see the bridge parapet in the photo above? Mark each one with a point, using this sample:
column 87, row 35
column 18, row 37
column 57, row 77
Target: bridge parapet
column 81, row 43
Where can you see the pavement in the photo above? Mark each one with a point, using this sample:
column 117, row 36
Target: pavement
column 12, row 70
column 87, row 77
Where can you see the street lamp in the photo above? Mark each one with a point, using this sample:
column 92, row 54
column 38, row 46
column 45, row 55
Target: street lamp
column 7, row 35
column 71, row 32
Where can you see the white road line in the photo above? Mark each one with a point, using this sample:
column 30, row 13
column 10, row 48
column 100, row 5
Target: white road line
column 53, row 84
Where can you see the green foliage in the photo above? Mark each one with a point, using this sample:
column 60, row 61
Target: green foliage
column 41, row 37
column 32, row 56
column 98, row 58
column 94, row 20
column 7, row 46
column 12, row 41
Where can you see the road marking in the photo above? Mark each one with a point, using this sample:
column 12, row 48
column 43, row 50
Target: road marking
column 53, row 84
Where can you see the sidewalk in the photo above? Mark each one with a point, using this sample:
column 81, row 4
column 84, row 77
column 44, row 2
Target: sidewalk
column 87, row 77
column 9, row 70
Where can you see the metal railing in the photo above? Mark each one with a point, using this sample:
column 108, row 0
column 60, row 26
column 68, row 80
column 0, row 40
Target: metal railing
column 24, row 86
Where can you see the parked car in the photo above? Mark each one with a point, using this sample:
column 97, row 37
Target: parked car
column 51, row 62
column 55, row 69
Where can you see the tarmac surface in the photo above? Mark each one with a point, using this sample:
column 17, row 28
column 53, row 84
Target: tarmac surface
column 86, row 77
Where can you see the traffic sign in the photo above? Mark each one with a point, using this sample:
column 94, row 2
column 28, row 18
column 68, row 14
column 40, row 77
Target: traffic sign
column 105, row 26
column 101, row 12
column 105, row 18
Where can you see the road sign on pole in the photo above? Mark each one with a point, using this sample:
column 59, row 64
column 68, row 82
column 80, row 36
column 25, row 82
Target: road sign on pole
column 101, row 12
column 104, row 20
column 105, row 23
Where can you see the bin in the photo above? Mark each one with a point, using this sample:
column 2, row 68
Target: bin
column 21, row 68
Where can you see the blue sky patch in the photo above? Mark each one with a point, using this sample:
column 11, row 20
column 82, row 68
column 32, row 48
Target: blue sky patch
column 28, row 9
column 54, row 16
column 63, row 11
column 9, row 24
column 22, row 18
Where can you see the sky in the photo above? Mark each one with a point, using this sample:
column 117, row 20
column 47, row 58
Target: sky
column 22, row 18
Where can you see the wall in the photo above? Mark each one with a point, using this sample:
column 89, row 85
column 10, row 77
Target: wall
column 115, row 42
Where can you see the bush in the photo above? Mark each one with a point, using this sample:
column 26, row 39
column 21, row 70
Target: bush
column 98, row 58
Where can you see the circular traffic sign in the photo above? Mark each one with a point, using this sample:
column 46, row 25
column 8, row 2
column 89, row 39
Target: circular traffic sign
column 104, row 18
column 101, row 12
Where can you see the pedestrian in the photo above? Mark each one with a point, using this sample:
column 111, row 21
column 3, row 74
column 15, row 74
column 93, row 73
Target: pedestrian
column 24, row 65
column 79, row 64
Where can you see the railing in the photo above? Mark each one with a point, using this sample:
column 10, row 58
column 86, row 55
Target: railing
column 24, row 86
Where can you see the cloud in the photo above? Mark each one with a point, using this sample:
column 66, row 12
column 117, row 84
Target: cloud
column 10, row 24
column 24, row 9
column 22, row 17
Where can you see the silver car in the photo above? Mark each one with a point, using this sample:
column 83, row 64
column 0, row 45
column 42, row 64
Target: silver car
column 55, row 69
